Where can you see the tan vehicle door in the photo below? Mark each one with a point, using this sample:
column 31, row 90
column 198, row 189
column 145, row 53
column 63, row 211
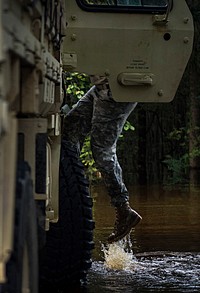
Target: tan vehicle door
column 141, row 46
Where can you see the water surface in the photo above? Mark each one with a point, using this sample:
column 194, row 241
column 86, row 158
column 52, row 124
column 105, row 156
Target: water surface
column 165, row 245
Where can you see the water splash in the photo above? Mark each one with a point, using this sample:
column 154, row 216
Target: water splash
column 118, row 255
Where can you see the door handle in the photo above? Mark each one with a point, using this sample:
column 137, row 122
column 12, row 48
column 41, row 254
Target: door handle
column 136, row 79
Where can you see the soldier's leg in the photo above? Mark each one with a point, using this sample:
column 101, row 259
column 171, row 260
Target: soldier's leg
column 107, row 123
column 77, row 123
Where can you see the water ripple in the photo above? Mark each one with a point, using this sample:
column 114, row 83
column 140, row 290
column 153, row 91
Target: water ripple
column 151, row 272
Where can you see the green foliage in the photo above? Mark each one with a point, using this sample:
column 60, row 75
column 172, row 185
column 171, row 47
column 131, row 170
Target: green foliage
column 128, row 126
column 178, row 169
column 77, row 84
column 178, row 163
column 88, row 161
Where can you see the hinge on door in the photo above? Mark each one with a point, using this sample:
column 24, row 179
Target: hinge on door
column 163, row 19
column 160, row 19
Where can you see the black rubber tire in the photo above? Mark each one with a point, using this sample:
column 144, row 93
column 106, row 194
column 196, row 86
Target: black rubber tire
column 25, row 237
column 66, row 257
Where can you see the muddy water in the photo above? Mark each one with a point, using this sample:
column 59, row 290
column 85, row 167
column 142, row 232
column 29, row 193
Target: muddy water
column 163, row 253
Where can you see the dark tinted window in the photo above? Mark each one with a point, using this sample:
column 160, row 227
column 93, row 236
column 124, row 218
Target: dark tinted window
column 121, row 5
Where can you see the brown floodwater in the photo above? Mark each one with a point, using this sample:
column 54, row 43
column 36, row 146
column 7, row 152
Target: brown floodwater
column 164, row 249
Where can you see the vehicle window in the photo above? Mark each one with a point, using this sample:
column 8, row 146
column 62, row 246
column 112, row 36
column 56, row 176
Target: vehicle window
column 113, row 2
column 121, row 5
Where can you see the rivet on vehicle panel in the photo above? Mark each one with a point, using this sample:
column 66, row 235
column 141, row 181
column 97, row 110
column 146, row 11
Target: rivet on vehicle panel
column 107, row 73
column 73, row 37
column 186, row 20
column 160, row 93
column 186, row 40
column 73, row 17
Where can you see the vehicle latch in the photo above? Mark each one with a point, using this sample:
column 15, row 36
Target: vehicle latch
column 137, row 79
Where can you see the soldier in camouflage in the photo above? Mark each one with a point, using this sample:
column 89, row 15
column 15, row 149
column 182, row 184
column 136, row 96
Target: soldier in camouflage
column 98, row 114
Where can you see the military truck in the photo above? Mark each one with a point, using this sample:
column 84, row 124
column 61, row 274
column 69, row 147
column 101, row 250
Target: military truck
column 46, row 224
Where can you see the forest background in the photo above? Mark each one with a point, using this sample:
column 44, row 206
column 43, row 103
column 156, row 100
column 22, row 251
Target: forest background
column 160, row 143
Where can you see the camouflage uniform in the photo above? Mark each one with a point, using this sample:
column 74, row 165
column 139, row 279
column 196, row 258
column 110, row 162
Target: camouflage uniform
column 98, row 114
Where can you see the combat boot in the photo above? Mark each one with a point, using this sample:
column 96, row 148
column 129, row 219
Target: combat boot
column 126, row 219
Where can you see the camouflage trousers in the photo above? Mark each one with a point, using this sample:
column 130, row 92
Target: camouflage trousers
column 99, row 115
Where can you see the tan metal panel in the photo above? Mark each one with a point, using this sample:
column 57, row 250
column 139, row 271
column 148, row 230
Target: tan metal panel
column 7, row 191
column 117, row 44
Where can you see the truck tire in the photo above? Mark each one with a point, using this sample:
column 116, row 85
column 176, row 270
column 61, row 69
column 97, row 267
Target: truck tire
column 66, row 257
column 22, row 267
